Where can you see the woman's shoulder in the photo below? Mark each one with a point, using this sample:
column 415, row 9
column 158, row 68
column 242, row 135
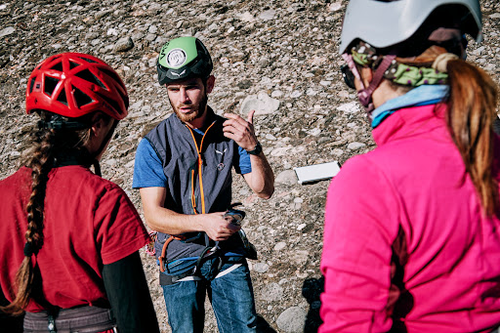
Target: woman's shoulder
column 85, row 180
column 20, row 178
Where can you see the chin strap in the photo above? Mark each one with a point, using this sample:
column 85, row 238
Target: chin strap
column 95, row 162
column 365, row 95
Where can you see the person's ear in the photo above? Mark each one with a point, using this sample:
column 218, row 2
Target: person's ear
column 98, row 124
column 366, row 75
column 210, row 84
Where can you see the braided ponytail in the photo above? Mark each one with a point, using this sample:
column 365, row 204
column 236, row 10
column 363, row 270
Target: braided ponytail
column 40, row 163
column 473, row 101
column 48, row 145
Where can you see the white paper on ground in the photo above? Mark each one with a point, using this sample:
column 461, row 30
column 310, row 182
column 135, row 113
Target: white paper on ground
column 317, row 172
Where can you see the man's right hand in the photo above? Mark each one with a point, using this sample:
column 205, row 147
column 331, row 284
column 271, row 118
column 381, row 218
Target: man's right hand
column 167, row 221
column 218, row 227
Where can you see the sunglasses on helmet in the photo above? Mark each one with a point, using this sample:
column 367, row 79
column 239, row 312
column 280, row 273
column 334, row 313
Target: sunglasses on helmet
column 348, row 76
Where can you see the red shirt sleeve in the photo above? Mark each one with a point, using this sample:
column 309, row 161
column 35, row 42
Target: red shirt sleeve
column 119, row 228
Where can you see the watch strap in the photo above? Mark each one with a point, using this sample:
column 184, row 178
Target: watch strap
column 257, row 150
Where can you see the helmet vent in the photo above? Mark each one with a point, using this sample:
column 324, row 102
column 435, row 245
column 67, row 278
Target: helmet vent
column 124, row 98
column 32, row 84
column 50, row 85
column 57, row 67
column 111, row 102
column 73, row 64
column 112, row 75
column 81, row 98
column 89, row 60
column 90, row 77
column 62, row 97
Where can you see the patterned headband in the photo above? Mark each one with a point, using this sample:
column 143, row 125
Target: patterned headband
column 365, row 55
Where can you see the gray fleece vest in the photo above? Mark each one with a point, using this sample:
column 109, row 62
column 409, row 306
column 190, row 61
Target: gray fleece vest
column 203, row 178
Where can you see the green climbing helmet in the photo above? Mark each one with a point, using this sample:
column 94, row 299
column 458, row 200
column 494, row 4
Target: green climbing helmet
column 183, row 58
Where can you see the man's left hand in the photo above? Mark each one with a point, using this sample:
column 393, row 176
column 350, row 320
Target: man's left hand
column 240, row 130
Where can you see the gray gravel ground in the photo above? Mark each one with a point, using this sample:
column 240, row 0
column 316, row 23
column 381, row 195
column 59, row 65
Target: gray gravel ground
column 278, row 56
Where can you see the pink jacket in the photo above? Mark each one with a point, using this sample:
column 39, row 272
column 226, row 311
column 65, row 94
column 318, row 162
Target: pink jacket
column 406, row 245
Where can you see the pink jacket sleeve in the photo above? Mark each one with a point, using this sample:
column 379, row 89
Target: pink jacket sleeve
column 361, row 223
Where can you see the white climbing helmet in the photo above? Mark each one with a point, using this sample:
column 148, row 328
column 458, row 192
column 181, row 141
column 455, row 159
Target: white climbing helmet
column 383, row 23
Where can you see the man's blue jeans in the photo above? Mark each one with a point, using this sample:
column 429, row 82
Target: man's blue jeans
column 231, row 296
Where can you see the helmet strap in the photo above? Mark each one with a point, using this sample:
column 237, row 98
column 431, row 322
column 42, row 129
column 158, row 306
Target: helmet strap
column 365, row 95
column 57, row 122
column 95, row 162
column 97, row 167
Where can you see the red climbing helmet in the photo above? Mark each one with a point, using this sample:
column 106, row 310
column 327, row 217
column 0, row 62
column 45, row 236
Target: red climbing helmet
column 76, row 84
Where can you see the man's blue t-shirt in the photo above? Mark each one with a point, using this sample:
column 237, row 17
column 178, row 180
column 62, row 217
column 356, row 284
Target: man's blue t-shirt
column 148, row 168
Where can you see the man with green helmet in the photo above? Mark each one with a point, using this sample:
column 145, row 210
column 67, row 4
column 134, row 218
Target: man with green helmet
column 183, row 169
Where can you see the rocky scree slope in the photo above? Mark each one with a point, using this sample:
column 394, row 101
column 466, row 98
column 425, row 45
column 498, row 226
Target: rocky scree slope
column 278, row 56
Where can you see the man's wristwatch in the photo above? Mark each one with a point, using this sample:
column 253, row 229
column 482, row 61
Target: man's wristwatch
column 257, row 150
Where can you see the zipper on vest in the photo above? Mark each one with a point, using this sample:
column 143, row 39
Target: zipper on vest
column 200, row 176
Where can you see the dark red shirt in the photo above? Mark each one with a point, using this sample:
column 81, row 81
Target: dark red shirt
column 89, row 222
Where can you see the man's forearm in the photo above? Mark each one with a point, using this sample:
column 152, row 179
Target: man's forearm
column 261, row 179
column 165, row 220
column 169, row 222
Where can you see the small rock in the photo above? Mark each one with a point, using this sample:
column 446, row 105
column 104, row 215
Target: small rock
column 244, row 84
column 292, row 320
column 337, row 152
column 272, row 292
column 301, row 226
column 355, row 145
column 280, row 246
column 350, row 107
column 264, row 62
column 267, row 15
column 246, row 17
column 315, row 132
column 99, row 15
column 333, row 7
column 112, row 32
column 152, row 29
column 7, row 31
column 299, row 257
column 311, row 92
column 261, row 103
column 276, row 94
column 261, row 267
column 124, row 44
column 287, row 177
column 343, row 94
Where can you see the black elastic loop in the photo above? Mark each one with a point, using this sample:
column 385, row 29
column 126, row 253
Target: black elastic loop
column 59, row 123
column 29, row 249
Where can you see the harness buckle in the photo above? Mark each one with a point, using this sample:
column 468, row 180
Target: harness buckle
column 51, row 324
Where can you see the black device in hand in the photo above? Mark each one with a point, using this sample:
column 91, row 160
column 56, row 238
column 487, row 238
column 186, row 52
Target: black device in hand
column 236, row 216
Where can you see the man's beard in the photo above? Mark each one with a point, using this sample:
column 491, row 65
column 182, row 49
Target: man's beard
column 193, row 115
